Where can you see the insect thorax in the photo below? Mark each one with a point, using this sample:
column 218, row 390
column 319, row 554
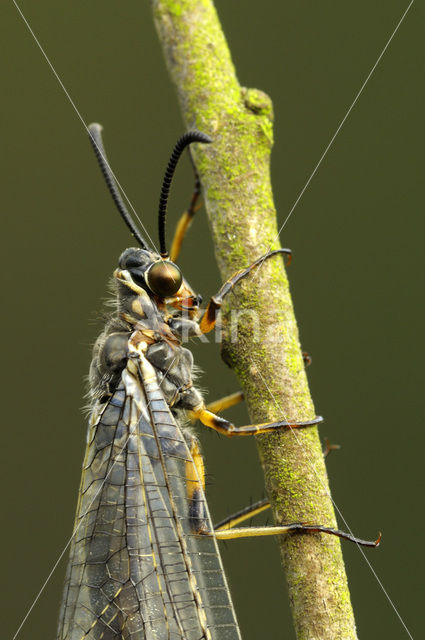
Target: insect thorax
column 138, row 310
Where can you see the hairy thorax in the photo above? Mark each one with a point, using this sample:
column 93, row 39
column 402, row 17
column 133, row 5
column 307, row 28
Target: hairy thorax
column 162, row 331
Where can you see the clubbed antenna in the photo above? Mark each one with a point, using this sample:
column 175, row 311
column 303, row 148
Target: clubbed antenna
column 182, row 143
column 95, row 131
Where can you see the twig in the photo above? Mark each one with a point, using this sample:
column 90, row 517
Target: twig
column 235, row 175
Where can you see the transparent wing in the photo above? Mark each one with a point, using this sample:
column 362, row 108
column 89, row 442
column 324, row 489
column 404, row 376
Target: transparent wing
column 136, row 571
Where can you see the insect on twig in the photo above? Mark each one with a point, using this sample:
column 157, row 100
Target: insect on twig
column 144, row 561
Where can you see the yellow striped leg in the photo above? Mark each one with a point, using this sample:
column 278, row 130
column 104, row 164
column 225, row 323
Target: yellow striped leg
column 225, row 427
column 300, row 527
column 225, row 530
column 209, row 318
column 262, row 505
column 221, row 404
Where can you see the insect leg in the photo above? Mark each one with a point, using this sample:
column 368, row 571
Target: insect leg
column 186, row 219
column 222, row 403
column 261, row 505
column 225, row 427
column 225, row 530
column 195, row 485
column 251, row 532
column 225, row 403
column 243, row 514
column 209, row 318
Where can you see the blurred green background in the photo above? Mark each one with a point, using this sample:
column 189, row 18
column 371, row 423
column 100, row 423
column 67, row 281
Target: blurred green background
column 357, row 275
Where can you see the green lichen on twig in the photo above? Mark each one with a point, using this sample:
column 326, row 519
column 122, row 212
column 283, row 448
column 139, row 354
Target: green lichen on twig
column 235, row 174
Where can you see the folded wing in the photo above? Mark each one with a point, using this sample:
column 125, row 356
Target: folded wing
column 136, row 571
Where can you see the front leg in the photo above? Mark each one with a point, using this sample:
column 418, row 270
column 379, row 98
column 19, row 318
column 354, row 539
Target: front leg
column 209, row 318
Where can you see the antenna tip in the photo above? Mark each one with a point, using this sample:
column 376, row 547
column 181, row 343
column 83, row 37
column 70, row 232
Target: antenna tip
column 95, row 127
column 197, row 136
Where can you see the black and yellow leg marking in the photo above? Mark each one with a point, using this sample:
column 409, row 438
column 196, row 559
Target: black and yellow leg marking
column 261, row 505
column 225, row 530
column 255, row 508
column 220, row 405
column 195, row 485
column 185, row 221
column 299, row 527
column 228, row 429
column 209, row 318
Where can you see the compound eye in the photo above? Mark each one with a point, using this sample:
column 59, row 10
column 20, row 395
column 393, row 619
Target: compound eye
column 164, row 278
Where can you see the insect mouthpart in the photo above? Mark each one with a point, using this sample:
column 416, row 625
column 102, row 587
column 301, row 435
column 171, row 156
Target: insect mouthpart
column 191, row 302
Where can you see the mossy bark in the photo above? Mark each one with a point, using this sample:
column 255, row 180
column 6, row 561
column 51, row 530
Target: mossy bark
column 235, row 175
